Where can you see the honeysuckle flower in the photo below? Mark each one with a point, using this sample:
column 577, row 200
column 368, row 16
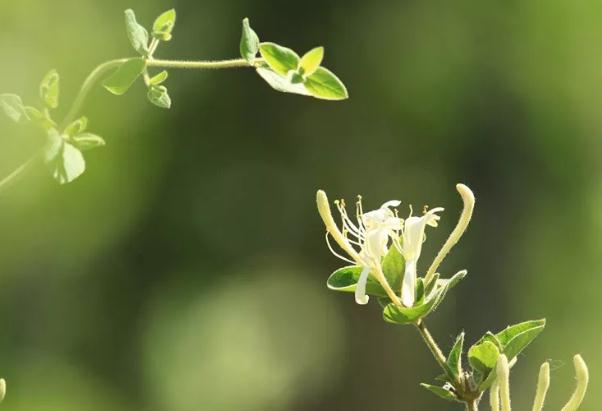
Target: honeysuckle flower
column 411, row 247
column 365, row 241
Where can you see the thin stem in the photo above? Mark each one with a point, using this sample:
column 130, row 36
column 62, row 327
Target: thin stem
column 430, row 342
column 6, row 181
column 472, row 406
column 89, row 83
column 189, row 64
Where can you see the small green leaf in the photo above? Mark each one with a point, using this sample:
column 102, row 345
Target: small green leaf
column 88, row 141
column 447, row 285
column 164, row 25
column 514, row 342
column 325, row 85
column 483, row 357
column 249, row 42
column 281, row 83
column 344, row 279
column 136, row 33
column 428, row 289
column 121, row 80
column 454, row 359
column 311, row 61
column 159, row 97
column 393, row 267
column 440, row 392
column 159, row 78
column 65, row 161
column 76, row 127
column 49, row 89
column 13, row 107
column 39, row 118
column 280, row 59
column 407, row 315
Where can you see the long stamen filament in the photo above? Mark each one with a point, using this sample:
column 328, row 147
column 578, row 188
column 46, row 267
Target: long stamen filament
column 331, row 226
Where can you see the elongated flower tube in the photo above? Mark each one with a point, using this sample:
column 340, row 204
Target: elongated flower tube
column 582, row 377
column 503, row 375
column 411, row 247
column 365, row 241
column 468, row 200
column 543, row 383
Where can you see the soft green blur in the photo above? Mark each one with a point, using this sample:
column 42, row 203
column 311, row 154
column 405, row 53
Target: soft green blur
column 186, row 269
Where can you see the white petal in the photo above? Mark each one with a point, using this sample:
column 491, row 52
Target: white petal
column 408, row 287
column 360, row 288
column 391, row 203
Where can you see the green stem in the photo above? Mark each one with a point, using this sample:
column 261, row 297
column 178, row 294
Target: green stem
column 189, row 64
column 89, row 83
column 472, row 406
column 100, row 71
column 6, row 181
column 430, row 342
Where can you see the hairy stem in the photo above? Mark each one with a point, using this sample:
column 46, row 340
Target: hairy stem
column 430, row 342
column 190, row 64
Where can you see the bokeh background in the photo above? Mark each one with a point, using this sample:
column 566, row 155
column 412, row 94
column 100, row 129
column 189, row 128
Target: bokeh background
column 186, row 269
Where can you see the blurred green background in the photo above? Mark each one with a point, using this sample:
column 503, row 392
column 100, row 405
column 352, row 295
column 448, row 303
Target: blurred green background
column 186, row 269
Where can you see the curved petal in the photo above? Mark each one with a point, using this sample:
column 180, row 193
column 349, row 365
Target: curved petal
column 360, row 288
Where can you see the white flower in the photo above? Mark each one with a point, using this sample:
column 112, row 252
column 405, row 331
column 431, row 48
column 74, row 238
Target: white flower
column 365, row 241
column 411, row 247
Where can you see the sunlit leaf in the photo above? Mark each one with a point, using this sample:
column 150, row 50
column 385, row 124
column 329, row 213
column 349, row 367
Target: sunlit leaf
column 122, row 79
column 311, row 60
column 280, row 59
column 12, row 105
column 281, row 83
column 249, row 42
column 159, row 97
column 136, row 33
column 49, row 89
column 325, row 85
column 88, row 141
column 164, row 24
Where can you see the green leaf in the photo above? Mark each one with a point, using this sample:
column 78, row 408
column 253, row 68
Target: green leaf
column 65, row 161
column 136, row 33
column 88, row 141
column 516, row 338
column 159, row 97
column 440, row 392
column 311, row 61
column 446, row 285
column 49, row 89
column 12, row 105
column 281, row 83
column 431, row 285
column 159, row 78
column 393, row 267
column 325, row 85
column 164, row 24
column 39, row 118
column 280, row 59
column 483, row 357
column 407, row 315
column 76, row 127
column 249, row 42
column 454, row 359
column 344, row 279
column 122, row 79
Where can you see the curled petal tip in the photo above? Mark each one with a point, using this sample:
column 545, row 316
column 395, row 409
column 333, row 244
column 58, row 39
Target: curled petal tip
column 465, row 192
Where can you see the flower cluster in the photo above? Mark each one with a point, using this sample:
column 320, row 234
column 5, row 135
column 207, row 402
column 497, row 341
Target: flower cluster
column 384, row 250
